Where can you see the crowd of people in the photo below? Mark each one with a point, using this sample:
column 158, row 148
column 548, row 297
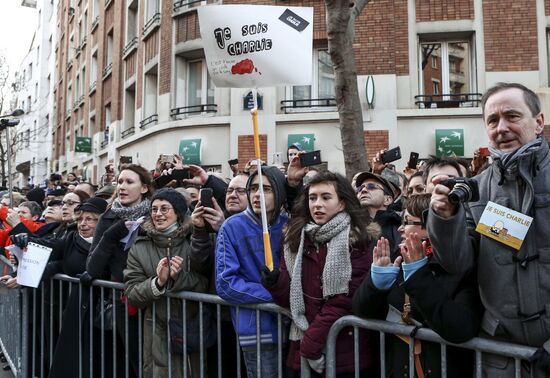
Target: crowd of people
column 385, row 245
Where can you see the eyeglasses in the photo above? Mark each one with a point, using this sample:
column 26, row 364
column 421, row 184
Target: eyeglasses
column 254, row 188
column 69, row 203
column 407, row 222
column 240, row 191
column 368, row 186
column 163, row 210
column 87, row 220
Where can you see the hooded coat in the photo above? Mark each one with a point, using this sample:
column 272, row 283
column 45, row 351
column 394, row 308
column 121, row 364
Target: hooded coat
column 143, row 259
column 240, row 260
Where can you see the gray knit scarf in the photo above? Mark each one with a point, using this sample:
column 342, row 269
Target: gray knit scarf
column 336, row 272
column 508, row 161
column 130, row 213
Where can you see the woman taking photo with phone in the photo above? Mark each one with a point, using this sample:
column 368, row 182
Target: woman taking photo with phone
column 327, row 252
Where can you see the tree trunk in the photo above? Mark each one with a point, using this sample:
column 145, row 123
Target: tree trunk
column 3, row 160
column 340, row 19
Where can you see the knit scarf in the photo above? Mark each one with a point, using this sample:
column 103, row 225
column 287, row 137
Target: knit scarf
column 130, row 213
column 508, row 161
column 336, row 272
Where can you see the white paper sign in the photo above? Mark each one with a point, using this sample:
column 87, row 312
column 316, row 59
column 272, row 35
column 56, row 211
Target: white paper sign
column 32, row 263
column 250, row 46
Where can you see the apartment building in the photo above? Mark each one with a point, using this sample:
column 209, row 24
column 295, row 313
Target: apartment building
column 33, row 86
column 131, row 76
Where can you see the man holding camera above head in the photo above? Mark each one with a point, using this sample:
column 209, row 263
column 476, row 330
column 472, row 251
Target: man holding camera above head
column 514, row 283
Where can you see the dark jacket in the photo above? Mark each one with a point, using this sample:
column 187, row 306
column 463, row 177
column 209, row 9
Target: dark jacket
column 322, row 313
column 107, row 258
column 447, row 303
column 389, row 222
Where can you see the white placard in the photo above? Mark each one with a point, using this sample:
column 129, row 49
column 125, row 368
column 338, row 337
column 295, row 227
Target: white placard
column 32, row 263
column 251, row 46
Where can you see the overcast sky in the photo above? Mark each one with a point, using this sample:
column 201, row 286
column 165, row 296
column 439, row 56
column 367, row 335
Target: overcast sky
column 17, row 26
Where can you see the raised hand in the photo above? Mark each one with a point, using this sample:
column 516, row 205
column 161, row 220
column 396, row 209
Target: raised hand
column 381, row 254
column 162, row 271
column 439, row 202
column 413, row 249
column 176, row 266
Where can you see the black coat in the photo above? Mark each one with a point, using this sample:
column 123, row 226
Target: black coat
column 446, row 303
column 389, row 222
column 107, row 259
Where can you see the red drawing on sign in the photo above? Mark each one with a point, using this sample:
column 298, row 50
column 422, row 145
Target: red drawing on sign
column 245, row 66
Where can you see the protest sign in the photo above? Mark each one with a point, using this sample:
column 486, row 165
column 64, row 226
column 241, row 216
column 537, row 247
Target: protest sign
column 32, row 263
column 250, row 46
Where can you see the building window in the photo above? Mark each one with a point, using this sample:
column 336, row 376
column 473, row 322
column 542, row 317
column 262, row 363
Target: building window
column 131, row 24
column 109, row 50
column 200, row 88
column 152, row 8
column 447, row 74
column 27, row 138
column 30, row 71
column 151, row 92
column 93, row 73
column 29, row 101
column 130, row 107
column 35, row 91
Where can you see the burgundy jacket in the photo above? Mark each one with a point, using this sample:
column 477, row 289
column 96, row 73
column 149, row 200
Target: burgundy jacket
column 322, row 313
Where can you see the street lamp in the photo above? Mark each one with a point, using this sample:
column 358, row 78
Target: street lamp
column 5, row 123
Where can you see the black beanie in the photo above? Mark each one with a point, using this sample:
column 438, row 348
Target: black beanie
column 36, row 195
column 176, row 199
column 94, row 205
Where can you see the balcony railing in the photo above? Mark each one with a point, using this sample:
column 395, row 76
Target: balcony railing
column 129, row 131
column 69, row 64
column 153, row 22
column 149, row 120
column 309, row 103
column 438, row 101
column 130, row 46
column 93, row 87
column 104, row 143
column 107, row 70
column 184, row 4
column 95, row 22
column 194, row 109
column 82, row 43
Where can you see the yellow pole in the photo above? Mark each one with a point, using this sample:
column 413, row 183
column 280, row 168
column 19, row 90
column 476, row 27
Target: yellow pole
column 267, row 245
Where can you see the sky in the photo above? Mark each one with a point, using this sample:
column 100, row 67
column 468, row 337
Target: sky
column 17, row 26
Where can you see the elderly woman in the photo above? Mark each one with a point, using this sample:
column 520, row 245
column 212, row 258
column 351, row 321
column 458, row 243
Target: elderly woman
column 158, row 263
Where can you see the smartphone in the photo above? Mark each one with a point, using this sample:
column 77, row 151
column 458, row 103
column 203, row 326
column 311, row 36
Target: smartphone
column 205, row 196
column 413, row 160
column 233, row 162
column 180, row 174
column 391, row 155
column 278, row 158
column 484, row 151
column 125, row 160
column 310, row 158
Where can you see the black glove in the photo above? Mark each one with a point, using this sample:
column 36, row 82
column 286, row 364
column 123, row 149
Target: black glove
column 86, row 279
column 270, row 277
column 117, row 231
column 20, row 240
column 541, row 360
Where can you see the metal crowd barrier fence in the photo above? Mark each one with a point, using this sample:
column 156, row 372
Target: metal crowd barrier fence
column 480, row 345
column 13, row 334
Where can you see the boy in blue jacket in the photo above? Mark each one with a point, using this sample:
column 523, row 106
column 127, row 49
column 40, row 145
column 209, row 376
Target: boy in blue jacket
column 240, row 261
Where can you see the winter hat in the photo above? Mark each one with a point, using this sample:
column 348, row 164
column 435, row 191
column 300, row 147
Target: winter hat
column 36, row 195
column 106, row 191
column 175, row 198
column 93, row 205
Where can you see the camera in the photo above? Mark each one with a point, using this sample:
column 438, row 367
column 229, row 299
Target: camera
column 462, row 190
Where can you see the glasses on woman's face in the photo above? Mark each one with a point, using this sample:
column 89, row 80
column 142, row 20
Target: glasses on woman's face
column 408, row 222
column 163, row 210
column 69, row 203
column 88, row 220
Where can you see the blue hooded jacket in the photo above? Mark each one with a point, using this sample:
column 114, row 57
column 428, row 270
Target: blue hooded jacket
column 240, row 261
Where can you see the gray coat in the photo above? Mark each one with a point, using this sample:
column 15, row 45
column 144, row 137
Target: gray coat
column 143, row 259
column 514, row 285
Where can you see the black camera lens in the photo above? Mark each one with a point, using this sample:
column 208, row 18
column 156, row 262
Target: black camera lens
column 460, row 193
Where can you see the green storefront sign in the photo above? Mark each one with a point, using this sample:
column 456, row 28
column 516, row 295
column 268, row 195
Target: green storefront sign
column 449, row 142
column 83, row 144
column 307, row 141
column 190, row 149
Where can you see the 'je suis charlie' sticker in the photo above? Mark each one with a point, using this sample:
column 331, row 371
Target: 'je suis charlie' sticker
column 504, row 225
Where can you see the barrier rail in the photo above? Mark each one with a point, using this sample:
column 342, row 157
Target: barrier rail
column 479, row 345
column 29, row 344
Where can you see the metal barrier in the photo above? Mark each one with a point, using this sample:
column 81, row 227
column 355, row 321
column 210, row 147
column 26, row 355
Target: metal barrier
column 13, row 334
column 479, row 345
column 117, row 359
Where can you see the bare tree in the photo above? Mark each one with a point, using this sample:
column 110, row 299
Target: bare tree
column 340, row 19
